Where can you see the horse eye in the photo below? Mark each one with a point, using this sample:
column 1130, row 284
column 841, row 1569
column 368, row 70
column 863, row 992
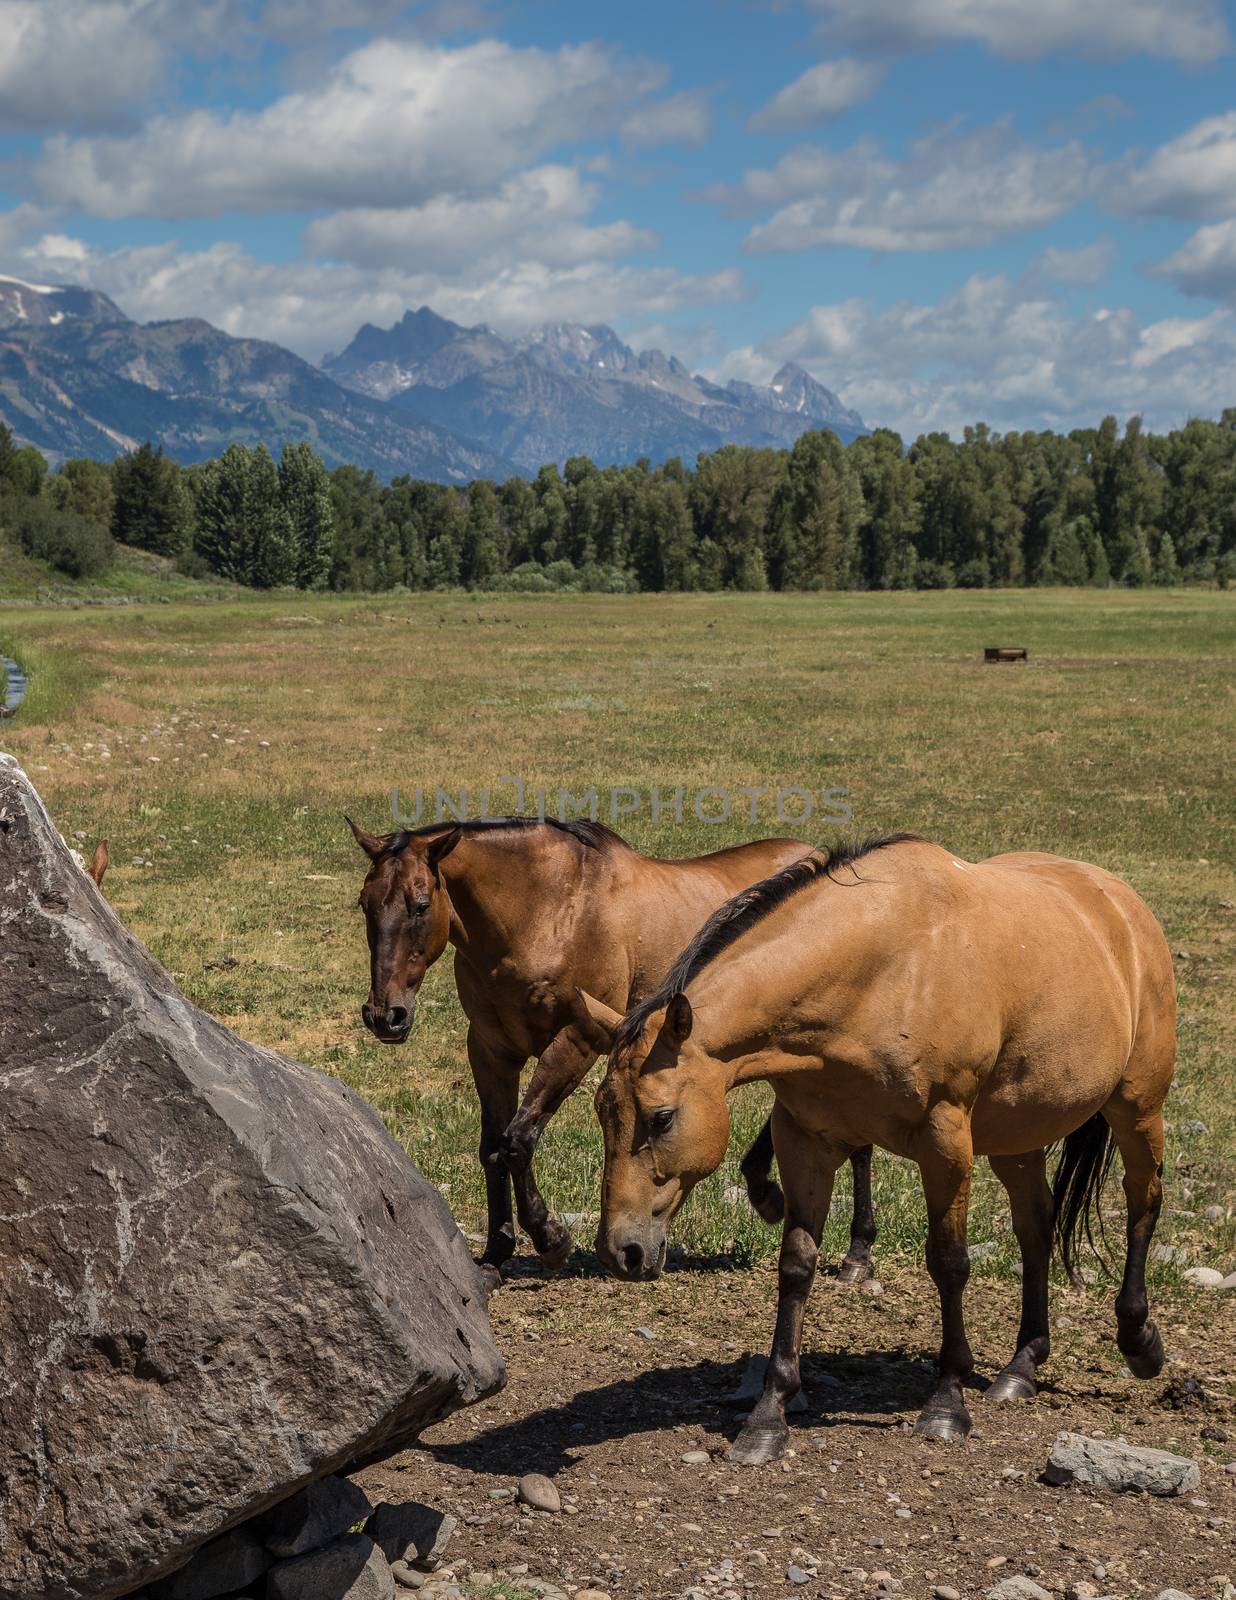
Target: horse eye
column 661, row 1121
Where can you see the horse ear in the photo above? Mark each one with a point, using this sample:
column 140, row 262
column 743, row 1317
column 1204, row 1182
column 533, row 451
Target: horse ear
column 99, row 863
column 679, row 1020
column 369, row 843
column 439, row 849
column 596, row 1021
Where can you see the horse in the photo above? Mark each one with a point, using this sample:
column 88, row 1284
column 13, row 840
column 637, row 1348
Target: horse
column 536, row 908
column 895, row 994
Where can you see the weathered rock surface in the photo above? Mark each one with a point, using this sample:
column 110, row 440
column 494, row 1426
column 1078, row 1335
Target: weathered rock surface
column 220, row 1277
column 1111, row 1464
column 222, row 1567
column 312, row 1517
column 411, row 1532
column 352, row 1568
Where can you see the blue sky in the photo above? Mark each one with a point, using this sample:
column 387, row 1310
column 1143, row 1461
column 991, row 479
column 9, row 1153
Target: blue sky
column 948, row 210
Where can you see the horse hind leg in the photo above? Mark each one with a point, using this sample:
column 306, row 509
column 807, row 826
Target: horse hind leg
column 1139, row 1137
column 1025, row 1180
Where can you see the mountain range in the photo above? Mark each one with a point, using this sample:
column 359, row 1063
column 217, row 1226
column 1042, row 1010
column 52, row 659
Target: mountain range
column 427, row 397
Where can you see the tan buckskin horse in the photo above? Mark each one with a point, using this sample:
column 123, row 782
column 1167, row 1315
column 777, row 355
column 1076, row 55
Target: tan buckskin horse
column 535, row 910
column 897, row 995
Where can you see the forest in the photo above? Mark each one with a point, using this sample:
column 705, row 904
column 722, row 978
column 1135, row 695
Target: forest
column 1096, row 506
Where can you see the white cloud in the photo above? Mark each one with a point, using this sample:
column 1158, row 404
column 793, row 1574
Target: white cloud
column 823, row 91
column 998, row 351
column 68, row 63
column 313, row 306
column 807, row 170
column 535, row 215
column 1190, row 176
column 1192, row 31
column 1088, row 264
column 18, row 225
column 1205, row 264
column 392, row 123
column 684, row 118
column 950, row 190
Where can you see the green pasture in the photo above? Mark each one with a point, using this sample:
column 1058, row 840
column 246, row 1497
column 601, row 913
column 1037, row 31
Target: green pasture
column 219, row 743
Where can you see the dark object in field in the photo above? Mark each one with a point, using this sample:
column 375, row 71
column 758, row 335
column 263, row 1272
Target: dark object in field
column 1006, row 652
column 538, row 909
column 936, row 1007
column 220, row 1278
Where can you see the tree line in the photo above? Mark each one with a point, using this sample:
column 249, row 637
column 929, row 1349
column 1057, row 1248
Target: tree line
column 1095, row 506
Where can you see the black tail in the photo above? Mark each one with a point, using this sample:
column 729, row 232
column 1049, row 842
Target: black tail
column 1077, row 1187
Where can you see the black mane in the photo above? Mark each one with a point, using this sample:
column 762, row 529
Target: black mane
column 595, row 835
column 737, row 916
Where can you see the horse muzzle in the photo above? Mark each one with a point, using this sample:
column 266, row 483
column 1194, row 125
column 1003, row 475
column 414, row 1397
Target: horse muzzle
column 389, row 1024
column 634, row 1255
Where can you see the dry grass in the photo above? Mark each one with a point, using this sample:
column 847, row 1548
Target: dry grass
column 221, row 743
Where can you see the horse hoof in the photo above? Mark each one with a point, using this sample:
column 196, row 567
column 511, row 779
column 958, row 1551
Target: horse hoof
column 851, row 1271
column 754, row 1447
column 1007, row 1386
column 491, row 1278
column 948, row 1426
column 1146, row 1361
column 558, row 1252
column 767, row 1202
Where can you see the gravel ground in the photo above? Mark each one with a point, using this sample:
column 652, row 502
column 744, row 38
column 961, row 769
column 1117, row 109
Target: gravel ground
column 616, row 1392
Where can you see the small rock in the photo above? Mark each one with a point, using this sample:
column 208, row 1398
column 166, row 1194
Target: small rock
column 1194, row 1127
column 229, row 1563
column 1109, row 1464
column 1018, row 1588
column 751, row 1387
column 591, row 1594
column 541, row 1493
column 945, row 1591
column 1204, row 1277
column 312, row 1517
column 982, row 1252
column 1229, row 1282
column 1168, row 1255
column 871, row 1286
column 696, row 1458
column 411, row 1532
column 352, row 1568
column 1212, row 1214
column 646, row 1333
column 1171, row 1594
column 1211, row 1431
column 408, row 1576
column 795, row 1574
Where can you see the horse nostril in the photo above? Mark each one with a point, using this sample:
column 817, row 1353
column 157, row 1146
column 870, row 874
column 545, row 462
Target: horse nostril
column 396, row 1016
column 632, row 1257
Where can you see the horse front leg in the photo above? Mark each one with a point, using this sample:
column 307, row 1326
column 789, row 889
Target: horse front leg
column 1025, row 1180
column 561, row 1068
column 763, row 1190
column 857, row 1267
column 807, row 1164
column 497, row 1088
column 946, row 1159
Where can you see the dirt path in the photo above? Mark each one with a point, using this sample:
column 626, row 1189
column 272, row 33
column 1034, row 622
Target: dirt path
column 609, row 1413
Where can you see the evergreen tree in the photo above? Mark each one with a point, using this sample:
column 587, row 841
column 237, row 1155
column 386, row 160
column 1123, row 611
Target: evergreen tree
column 151, row 508
column 304, row 490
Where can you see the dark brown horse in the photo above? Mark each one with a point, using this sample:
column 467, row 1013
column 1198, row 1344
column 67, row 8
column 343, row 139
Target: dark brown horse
column 942, row 1009
column 536, row 910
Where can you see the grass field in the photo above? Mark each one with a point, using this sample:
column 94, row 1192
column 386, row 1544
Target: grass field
column 218, row 744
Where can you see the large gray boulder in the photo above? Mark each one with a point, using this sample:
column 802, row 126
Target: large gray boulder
column 220, row 1278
